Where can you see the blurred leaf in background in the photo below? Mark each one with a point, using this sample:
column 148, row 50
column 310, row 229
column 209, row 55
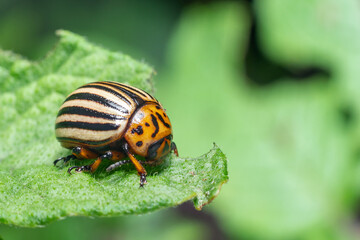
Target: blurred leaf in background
column 281, row 102
column 159, row 225
column 290, row 158
column 141, row 28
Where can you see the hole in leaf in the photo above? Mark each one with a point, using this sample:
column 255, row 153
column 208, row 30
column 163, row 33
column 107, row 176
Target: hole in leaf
column 214, row 231
column 263, row 71
column 347, row 115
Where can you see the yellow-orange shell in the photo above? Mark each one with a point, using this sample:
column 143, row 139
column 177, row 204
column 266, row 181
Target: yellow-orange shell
column 99, row 116
column 149, row 125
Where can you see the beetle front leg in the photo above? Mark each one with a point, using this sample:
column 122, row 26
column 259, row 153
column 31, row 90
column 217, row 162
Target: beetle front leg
column 140, row 169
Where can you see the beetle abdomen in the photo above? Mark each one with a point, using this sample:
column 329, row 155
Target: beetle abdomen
column 97, row 114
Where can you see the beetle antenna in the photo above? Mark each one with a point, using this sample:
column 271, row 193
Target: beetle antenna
column 174, row 148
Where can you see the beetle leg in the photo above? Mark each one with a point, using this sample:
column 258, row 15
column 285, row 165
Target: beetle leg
column 79, row 153
column 85, row 168
column 116, row 156
column 91, row 167
column 83, row 153
column 64, row 159
column 116, row 165
column 174, row 148
column 141, row 170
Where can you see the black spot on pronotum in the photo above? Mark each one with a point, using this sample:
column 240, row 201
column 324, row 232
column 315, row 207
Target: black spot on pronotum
column 137, row 130
column 147, row 124
column 162, row 120
column 139, row 143
column 154, row 121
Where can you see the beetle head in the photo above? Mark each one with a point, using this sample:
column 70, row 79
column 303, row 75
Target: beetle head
column 149, row 133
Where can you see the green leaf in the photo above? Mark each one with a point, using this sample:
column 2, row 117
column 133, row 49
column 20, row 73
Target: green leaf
column 33, row 192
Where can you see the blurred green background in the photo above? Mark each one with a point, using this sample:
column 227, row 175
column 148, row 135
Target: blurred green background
column 275, row 83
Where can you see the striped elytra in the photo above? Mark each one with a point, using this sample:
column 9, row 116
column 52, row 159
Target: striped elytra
column 113, row 120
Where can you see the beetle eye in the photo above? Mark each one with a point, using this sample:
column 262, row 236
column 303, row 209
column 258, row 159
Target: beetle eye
column 153, row 148
column 159, row 148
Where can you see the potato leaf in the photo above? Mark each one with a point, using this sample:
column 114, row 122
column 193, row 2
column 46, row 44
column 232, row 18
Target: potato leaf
column 33, row 192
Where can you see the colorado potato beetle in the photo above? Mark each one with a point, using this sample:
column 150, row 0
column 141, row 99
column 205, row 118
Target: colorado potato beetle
column 110, row 120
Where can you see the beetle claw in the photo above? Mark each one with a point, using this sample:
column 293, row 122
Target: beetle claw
column 71, row 168
column 58, row 160
column 79, row 169
column 65, row 159
column 142, row 180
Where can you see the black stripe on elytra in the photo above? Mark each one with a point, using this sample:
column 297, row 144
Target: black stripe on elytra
column 99, row 99
column 154, row 120
column 87, row 126
column 65, row 139
column 136, row 98
column 88, row 112
column 134, row 89
column 162, row 120
column 109, row 90
column 138, row 91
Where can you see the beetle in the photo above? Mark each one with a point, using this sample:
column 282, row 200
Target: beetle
column 111, row 120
